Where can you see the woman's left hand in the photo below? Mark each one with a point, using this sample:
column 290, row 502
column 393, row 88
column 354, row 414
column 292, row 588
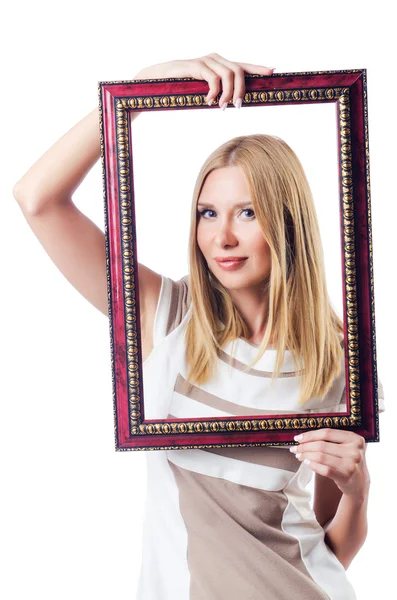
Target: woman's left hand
column 337, row 454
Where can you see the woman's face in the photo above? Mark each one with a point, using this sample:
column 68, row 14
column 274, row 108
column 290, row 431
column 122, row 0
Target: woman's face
column 227, row 227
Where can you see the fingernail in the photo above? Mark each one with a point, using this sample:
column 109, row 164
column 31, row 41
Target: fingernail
column 224, row 105
column 292, row 449
column 210, row 102
column 239, row 102
column 298, row 437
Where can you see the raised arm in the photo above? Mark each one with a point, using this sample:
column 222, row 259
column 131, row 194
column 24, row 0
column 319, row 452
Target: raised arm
column 74, row 243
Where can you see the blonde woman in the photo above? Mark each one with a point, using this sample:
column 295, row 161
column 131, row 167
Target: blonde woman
column 229, row 523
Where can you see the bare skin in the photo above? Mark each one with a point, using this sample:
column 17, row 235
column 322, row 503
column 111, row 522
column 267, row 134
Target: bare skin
column 72, row 241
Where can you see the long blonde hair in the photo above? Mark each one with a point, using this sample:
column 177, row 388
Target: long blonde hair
column 300, row 316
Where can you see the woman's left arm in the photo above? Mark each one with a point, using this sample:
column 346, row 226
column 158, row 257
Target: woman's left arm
column 340, row 456
column 347, row 531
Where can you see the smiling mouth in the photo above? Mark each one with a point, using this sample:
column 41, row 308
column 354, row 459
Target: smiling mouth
column 230, row 263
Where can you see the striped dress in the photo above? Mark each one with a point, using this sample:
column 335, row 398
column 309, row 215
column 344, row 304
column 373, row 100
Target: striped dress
column 229, row 523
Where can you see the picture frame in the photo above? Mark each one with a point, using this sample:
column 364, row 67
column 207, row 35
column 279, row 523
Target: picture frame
column 347, row 91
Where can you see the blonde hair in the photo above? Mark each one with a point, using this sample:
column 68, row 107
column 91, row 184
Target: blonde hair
column 300, row 316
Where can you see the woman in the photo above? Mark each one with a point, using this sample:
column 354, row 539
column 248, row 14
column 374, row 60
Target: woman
column 228, row 522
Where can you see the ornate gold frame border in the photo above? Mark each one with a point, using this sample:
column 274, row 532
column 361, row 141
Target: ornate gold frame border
column 140, row 103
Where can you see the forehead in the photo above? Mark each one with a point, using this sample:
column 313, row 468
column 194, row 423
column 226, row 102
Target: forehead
column 225, row 186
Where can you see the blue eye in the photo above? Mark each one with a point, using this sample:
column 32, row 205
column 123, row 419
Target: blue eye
column 202, row 212
column 205, row 210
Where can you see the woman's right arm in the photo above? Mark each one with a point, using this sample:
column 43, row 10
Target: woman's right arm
column 74, row 243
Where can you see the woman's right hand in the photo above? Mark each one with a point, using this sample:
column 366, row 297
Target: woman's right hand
column 213, row 68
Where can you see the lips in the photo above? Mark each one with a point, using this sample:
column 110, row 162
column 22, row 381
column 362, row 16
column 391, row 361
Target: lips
column 230, row 265
column 231, row 259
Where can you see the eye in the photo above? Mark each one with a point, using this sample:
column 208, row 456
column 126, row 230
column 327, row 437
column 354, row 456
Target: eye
column 249, row 210
column 205, row 210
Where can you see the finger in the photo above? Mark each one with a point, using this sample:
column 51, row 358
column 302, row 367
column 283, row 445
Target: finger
column 325, row 471
column 256, row 69
column 247, row 67
column 337, row 436
column 331, row 448
column 237, row 79
column 227, row 75
column 239, row 75
column 342, row 466
column 198, row 69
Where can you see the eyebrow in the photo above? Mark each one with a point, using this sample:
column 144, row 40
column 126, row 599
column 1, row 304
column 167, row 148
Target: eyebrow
column 239, row 205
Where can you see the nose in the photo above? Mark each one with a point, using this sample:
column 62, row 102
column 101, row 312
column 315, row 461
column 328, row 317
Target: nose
column 225, row 235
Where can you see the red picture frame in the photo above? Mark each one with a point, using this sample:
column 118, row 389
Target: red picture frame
column 347, row 89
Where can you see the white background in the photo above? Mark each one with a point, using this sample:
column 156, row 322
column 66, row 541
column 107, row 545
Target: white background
column 71, row 507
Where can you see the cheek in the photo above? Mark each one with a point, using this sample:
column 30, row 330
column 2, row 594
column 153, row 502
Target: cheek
column 263, row 256
column 202, row 232
column 201, row 239
column 261, row 246
column 266, row 249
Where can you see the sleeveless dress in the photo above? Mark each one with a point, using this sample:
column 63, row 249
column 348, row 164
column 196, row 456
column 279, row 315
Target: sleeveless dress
column 230, row 523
